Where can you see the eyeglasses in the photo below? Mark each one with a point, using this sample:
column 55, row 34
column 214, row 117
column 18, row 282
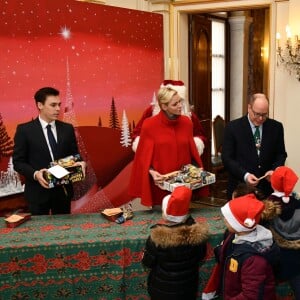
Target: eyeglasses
column 259, row 115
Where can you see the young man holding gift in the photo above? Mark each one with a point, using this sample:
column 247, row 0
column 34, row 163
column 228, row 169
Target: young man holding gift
column 39, row 142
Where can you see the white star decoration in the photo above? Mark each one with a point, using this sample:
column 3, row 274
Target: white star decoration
column 65, row 32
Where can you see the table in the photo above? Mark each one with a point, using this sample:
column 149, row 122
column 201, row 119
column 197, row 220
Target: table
column 86, row 256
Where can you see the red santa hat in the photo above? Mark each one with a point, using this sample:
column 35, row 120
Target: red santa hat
column 176, row 85
column 284, row 180
column 243, row 213
column 175, row 207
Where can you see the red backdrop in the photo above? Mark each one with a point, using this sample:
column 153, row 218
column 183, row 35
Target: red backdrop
column 103, row 59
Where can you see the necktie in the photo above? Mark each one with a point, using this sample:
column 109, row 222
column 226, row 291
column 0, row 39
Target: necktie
column 256, row 136
column 52, row 141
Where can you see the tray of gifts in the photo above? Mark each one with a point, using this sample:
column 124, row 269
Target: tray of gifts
column 189, row 176
column 64, row 171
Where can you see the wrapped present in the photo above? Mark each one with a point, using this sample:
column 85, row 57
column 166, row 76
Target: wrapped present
column 64, row 171
column 118, row 214
column 16, row 219
column 112, row 214
column 127, row 214
column 189, row 176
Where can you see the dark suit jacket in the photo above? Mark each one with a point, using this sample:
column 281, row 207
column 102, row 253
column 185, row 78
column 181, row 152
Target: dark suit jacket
column 239, row 153
column 31, row 153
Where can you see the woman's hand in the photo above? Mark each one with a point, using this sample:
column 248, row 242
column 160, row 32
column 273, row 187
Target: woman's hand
column 157, row 177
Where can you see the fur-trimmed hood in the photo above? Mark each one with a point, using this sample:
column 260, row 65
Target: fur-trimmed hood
column 284, row 243
column 188, row 233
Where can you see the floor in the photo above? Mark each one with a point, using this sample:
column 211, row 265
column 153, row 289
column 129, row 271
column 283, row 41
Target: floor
column 136, row 205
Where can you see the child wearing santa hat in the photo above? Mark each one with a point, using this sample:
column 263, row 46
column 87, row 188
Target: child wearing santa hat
column 152, row 110
column 247, row 255
column 175, row 249
column 283, row 216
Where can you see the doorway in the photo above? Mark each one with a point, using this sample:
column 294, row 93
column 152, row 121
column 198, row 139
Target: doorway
column 209, row 66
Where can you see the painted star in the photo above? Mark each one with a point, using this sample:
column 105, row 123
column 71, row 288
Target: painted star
column 65, row 32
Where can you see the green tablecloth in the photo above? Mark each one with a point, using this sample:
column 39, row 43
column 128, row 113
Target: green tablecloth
column 85, row 256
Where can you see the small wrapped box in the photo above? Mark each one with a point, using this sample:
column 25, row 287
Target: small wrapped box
column 64, row 171
column 189, row 176
column 112, row 214
column 16, row 219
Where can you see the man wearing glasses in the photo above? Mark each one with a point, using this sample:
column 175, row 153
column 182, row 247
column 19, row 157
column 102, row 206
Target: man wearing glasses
column 253, row 147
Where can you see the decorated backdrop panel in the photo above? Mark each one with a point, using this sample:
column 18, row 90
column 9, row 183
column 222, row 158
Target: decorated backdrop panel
column 107, row 63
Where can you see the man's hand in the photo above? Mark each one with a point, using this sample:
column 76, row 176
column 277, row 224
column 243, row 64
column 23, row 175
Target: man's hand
column 83, row 166
column 252, row 180
column 268, row 174
column 38, row 176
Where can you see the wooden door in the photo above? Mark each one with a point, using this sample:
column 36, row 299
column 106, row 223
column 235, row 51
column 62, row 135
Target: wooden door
column 200, row 76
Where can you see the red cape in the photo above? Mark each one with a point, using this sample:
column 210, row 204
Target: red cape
column 165, row 145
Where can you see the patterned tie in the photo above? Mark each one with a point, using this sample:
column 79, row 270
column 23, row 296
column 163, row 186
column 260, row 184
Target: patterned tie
column 52, row 141
column 256, row 136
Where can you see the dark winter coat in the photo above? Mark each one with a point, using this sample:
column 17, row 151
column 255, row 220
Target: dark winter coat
column 174, row 254
column 247, row 270
column 286, row 232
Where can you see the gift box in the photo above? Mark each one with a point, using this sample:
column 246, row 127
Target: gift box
column 64, row 171
column 189, row 176
column 16, row 219
column 112, row 214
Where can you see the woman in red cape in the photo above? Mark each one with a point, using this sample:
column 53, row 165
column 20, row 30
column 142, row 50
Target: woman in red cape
column 166, row 144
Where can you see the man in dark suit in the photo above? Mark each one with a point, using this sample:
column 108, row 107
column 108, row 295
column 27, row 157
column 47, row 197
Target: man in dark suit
column 33, row 153
column 253, row 147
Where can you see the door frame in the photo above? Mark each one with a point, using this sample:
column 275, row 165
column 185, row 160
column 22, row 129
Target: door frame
column 179, row 31
column 200, row 78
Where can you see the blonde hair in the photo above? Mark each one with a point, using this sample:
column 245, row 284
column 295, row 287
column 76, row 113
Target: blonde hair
column 164, row 95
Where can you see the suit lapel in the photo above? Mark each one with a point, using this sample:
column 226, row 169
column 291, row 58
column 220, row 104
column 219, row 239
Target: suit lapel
column 59, row 133
column 266, row 132
column 249, row 134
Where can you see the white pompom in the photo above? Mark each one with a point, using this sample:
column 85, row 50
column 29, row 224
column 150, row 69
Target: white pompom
column 199, row 144
column 249, row 222
column 285, row 199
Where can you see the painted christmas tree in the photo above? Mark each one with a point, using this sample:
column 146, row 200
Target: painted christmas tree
column 113, row 116
column 82, row 187
column 99, row 122
column 155, row 105
column 125, row 132
column 6, row 144
column 69, row 114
